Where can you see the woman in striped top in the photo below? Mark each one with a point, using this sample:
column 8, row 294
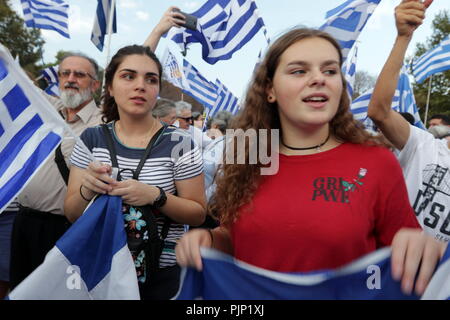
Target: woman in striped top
column 172, row 171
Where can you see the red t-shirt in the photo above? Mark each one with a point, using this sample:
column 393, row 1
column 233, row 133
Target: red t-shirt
column 324, row 210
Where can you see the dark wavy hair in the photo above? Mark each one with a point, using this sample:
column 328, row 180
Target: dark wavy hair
column 237, row 183
column 109, row 109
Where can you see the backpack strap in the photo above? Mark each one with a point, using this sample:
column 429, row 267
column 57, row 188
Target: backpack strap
column 61, row 163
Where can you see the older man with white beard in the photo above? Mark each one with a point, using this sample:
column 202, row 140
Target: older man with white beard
column 41, row 221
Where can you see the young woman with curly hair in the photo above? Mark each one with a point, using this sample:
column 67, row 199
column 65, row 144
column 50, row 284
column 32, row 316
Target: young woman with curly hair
column 338, row 194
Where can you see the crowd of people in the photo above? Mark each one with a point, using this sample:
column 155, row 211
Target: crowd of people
column 340, row 192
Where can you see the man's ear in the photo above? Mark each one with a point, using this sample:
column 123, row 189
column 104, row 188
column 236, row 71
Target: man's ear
column 95, row 85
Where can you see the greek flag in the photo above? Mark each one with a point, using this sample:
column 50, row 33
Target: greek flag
column 360, row 106
column 346, row 21
column 47, row 14
column 91, row 261
column 349, row 71
column 224, row 26
column 50, row 74
column 172, row 71
column 403, row 101
column 30, row 129
column 367, row 278
column 198, row 87
column 101, row 23
column 434, row 61
column 226, row 101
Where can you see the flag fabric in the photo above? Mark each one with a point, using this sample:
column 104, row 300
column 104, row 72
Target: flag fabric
column 346, row 21
column 30, row 129
column 360, row 106
column 367, row 278
column 91, row 261
column 226, row 101
column 100, row 27
column 403, row 101
column 172, row 71
column 434, row 61
column 407, row 102
column 349, row 71
column 439, row 286
column 50, row 74
column 224, row 26
column 198, row 87
column 47, row 14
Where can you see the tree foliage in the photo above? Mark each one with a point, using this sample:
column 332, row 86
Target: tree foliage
column 363, row 82
column 440, row 86
column 21, row 41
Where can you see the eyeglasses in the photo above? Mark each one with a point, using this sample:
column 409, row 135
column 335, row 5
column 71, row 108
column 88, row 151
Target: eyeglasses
column 77, row 74
column 189, row 119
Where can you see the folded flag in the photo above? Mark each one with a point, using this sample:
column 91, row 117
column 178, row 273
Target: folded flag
column 368, row 278
column 90, row 261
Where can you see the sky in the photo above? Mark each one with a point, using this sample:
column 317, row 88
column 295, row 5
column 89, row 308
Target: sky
column 136, row 19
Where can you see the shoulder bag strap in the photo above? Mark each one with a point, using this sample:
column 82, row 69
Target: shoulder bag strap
column 111, row 148
column 147, row 152
column 61, row 163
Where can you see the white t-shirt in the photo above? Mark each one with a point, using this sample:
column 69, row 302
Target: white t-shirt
column 425, row 161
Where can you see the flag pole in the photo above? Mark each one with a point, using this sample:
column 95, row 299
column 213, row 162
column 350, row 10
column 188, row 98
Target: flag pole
column 428, row 100
column 109, row 34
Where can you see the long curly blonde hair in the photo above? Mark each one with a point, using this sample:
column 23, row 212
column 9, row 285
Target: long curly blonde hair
column 237, row 183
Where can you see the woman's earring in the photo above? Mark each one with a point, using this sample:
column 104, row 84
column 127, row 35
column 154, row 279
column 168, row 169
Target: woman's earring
column 271, row 99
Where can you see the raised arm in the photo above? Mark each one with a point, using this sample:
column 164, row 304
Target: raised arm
column 409, row 16
column 169, row 19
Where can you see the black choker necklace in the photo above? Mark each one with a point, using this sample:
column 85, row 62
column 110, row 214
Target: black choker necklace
column 309, row 148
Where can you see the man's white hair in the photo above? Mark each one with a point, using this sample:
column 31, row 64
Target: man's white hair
column 182, row 105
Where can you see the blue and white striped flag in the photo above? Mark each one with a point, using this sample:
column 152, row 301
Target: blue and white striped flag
column 30, row 129
column 50, row 74
column 434, row 61
column 403, row 101
column 47, row 14
column 360, row 106
column 349, row 71
column 367, row 278
column 91, row 261
column 224, row 26
column 199, row 87
column 346, row 21
column 100, row 27
column 407, row 102
column 226, row 100
column 172, row 71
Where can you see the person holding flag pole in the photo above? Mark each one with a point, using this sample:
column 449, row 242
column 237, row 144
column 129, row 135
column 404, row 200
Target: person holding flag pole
column 424, row 159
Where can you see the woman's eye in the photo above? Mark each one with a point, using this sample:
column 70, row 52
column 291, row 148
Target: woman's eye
column 127, row 76
column 152, row 80
column 331, row 72
column 298, row 72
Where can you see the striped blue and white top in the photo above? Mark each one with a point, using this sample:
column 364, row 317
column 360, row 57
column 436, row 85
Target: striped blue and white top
column 174, row 156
